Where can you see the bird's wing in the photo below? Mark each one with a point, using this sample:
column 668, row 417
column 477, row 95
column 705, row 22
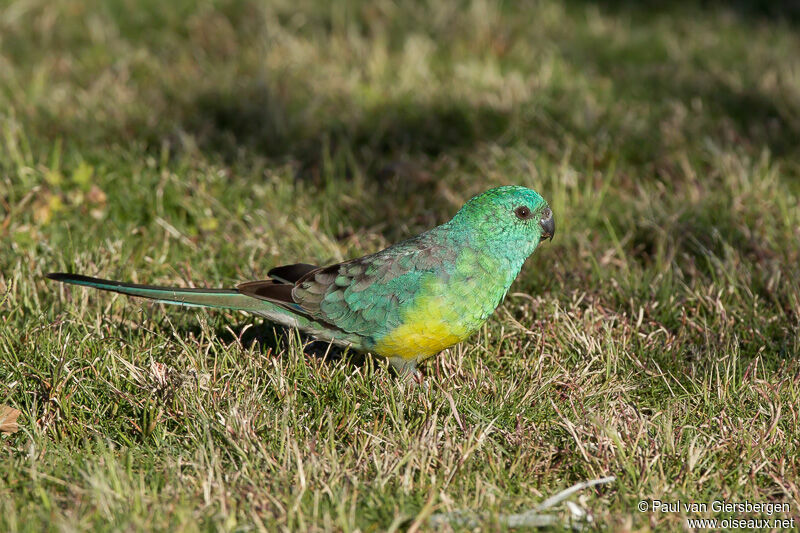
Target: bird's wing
column 291, row 273
column 363, row 296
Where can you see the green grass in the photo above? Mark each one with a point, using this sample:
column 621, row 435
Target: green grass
column 656, row 338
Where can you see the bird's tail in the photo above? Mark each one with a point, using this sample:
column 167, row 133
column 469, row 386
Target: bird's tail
column 217, row 298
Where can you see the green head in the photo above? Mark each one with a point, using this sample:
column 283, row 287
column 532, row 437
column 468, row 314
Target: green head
column 508, row 222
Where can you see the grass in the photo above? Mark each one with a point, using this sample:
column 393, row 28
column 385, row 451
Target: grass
column 656, row 339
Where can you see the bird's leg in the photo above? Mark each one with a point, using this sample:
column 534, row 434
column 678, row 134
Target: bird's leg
column 407, row 370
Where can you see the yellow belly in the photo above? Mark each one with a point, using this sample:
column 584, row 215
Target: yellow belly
column 417, row 341
column 427, row 330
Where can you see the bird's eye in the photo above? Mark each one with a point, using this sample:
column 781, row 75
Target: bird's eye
column 522, row 212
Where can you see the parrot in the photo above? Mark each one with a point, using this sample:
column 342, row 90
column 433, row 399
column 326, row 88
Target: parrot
column 407, row 302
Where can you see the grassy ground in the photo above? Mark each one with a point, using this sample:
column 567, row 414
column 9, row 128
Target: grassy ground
column 656, row 339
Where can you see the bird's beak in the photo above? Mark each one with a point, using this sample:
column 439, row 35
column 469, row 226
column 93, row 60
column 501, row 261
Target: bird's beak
column 548, row 224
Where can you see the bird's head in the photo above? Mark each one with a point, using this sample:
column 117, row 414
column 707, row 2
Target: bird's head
column 511, row 219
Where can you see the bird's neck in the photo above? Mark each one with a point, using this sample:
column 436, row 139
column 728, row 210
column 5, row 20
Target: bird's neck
column 501, row 260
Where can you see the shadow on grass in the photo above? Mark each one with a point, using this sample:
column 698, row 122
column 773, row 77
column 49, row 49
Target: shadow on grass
column 256, row 119
column 373, row 139
column 739, row 117
column 266, row 337
column 777, row 10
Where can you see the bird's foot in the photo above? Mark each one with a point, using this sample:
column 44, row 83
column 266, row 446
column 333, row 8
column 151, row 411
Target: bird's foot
column 409, row 373
column 417, row 378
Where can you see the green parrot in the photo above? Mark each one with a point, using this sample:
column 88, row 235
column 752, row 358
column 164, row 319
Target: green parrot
column 407, row 302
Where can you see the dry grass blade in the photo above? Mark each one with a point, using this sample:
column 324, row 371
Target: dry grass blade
column 566, row 493
column 532, row 518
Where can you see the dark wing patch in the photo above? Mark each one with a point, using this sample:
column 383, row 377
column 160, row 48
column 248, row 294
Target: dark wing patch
column 268, row 290
column 291, row 273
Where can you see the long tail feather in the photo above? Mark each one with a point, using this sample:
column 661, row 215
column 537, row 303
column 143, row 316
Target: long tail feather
column 218, row 298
